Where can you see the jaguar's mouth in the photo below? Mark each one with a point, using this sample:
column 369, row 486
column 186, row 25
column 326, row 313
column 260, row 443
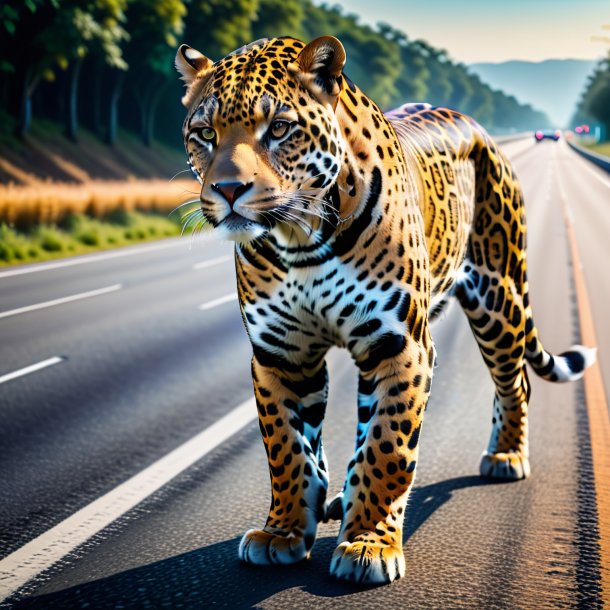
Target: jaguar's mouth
column 236, row 227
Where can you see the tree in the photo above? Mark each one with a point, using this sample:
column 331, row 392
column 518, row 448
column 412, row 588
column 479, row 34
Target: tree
column 594, row 104
column 79, row 27
column 411, row 82
column 439, row 86
column 480, row 102
column 47, row 35
column 373, row 62
column 129, row 45
column 154, row 26
column 279, row 18
column 217, row 27
column 23, row 51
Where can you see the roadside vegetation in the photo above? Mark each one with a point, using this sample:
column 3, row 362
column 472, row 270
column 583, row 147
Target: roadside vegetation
column 90, row 118
column 107, row 64
column 601, row 149
column 80, row 234
column 594, row 105
column 42, row 219
column 25, row 207
column 59, row 198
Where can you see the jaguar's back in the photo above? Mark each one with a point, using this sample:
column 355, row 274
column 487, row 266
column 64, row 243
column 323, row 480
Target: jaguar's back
column 474, row 217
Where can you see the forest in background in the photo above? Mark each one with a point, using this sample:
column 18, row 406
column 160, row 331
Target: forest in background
column 594, row 104
column 105, row 64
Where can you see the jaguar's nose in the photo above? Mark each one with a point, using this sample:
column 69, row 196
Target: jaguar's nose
column 231, row 190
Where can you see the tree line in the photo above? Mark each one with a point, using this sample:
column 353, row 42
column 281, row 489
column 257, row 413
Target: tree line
column 109, row 63
column 594, row 104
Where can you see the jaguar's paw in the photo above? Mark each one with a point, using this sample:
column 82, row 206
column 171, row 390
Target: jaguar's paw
column 367, row 560
column 266, row 548
column 511, row 466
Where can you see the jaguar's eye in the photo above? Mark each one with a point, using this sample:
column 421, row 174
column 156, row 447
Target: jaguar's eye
column 206, row 133
column 279, row 129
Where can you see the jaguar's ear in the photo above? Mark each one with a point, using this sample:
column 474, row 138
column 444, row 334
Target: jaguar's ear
column 318, row 67
column 194, row 67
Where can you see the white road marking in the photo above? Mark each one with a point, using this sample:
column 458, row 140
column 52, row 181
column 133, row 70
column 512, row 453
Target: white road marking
column 90, row 258
column 41, row 553
column 221, row 301
column 74, row 297
column 588, row 166
column 212, row 262
column 31, row 369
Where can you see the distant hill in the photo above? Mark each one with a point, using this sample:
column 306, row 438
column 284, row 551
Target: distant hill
column 553, row 86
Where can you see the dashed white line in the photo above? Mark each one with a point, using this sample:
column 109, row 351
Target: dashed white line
column 41, row 553
column 220, row 301
column 212, row 262
column 91, row 258
column 31, row 369
column 60, row 301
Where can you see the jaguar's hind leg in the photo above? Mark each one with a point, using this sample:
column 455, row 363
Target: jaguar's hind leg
column 497, row 316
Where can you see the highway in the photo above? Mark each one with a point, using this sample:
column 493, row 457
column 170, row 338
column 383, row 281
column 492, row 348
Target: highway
column 139, row 351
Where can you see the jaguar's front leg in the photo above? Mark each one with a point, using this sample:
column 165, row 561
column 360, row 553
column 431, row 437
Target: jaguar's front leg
column 291, row 409
column 395, row 380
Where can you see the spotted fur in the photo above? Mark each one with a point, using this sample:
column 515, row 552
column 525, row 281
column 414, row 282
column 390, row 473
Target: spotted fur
column 352, row 228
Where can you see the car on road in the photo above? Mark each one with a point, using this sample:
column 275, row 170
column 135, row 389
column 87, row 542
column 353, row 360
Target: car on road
column 547, row 134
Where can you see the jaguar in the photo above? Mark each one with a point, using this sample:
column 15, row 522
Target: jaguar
column 352, row 228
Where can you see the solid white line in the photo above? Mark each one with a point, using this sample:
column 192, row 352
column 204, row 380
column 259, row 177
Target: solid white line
column 31, row 369
column 217, row 302
column 91, row 258
column 74, row 297
column 595, row 172
column 588, row 165
column 41, row 553
column 212, row 262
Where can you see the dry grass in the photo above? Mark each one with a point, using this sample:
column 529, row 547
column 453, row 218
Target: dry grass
column 59, row 198
column 50, row 203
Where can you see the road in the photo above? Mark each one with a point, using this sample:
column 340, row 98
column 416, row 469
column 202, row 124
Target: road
column 134, row 367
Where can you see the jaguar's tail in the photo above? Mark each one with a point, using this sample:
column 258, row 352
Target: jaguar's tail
column 567, row 366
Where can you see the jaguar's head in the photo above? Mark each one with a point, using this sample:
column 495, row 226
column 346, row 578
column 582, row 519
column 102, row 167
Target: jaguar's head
column 261, row 133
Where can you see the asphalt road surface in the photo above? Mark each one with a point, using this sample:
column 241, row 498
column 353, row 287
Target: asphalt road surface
column 138, row 353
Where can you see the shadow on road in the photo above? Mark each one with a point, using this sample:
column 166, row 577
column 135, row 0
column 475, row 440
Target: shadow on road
column 213, row 577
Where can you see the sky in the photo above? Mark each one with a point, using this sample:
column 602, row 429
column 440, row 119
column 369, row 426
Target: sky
column 475, row 31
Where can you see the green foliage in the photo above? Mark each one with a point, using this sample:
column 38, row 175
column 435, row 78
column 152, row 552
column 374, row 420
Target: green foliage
column 217, row 27
column 120, row 217
column 14, row 247
column 279, row 18
column 594, row 105
column 411, row 82
column 81, row 234
column 394, row 70
column 43, row 38
column 48, row 34
column 49, row 239
column 12, row 12
column 89, row 237
column 600, row 149
column 154, row 27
